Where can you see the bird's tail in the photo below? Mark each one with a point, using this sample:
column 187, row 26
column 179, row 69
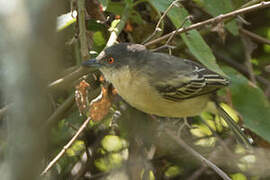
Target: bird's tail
column 240, row 136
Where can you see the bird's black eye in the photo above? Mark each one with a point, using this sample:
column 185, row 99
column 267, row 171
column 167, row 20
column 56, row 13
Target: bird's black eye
column 110, row 60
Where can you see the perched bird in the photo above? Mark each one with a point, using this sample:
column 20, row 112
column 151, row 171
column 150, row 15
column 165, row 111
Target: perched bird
column 157, row 83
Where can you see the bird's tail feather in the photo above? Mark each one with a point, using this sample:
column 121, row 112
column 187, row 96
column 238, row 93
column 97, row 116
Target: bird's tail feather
column 241, row 137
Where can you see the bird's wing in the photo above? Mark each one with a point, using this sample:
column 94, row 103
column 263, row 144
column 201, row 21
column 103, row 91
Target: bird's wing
column 179, row 79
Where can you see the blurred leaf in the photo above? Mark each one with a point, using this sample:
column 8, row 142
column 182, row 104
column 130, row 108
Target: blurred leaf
column 114, row 24
column 251, row 103
column 254, row 61
column 173, row 171
column 65, row 20
column 93, row 25
column 216, row 8
column 266, row 48
column 192, row 39
column 104, row 4
column 109, row 162
column 61, row 133
column 238, row 176
column 115, row 7
column 209, row 119
column 76, row 148
column 206, row 142
column 238, row 3
column 136, row 17
column 112, row 143
column 99, row 41
column 200, row 130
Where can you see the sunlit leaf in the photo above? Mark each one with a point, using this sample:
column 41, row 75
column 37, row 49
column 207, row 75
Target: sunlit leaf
column 114, row 24
column 76, row 148
column 113, row 160
column 173, row 171
column 65, row 20
column 238, row 176
column 200, row 130
column 112, row 143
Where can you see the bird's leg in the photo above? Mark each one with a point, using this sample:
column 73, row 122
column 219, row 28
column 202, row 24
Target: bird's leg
column 187, row 123
column 184, row 124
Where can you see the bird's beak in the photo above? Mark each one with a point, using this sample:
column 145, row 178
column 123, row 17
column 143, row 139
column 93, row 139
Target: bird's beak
column 91, row 63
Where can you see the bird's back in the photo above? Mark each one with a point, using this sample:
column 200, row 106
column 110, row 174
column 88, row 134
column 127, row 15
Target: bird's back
column 177, row 79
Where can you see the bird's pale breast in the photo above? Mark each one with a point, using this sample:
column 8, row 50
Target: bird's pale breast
column 135, row 89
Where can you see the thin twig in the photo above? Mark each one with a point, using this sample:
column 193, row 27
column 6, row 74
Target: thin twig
column 239, row 67
column 249, row 47
column 3, row 111
column 82, row 70
column 249, row 3
column 197, row 155
column 214, row 20
column 50, row 165
column 197, row 173
column 61, row 110
column 166, row 45
column 255, row 37
column 157, row 28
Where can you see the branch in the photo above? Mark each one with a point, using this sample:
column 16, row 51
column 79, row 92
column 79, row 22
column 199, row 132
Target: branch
column 82, row 35
column 4, row 110
column 62, row 152
column 57, row 114
column 254, row 36
column 157, row 28
column 214, row 20
column 239, row 67
column 82, row 70
column 249, row 47
column 197, row 155
column 214, row 155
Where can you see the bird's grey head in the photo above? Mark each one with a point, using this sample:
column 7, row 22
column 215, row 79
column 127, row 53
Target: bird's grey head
column 117, row 56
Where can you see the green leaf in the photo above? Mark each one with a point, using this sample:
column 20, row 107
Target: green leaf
column 107, row 163
column 112, row 143
column 115, row 7
column 192, row 39
column 216, row 8
column 114, row 24
column 76, row 148
column 93, row 25
column 238, row 176
column 173, row 171
column 99, row 41
column 65, row 20
column 251, row 103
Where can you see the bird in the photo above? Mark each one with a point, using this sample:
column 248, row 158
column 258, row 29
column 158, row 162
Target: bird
column 160, row 84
